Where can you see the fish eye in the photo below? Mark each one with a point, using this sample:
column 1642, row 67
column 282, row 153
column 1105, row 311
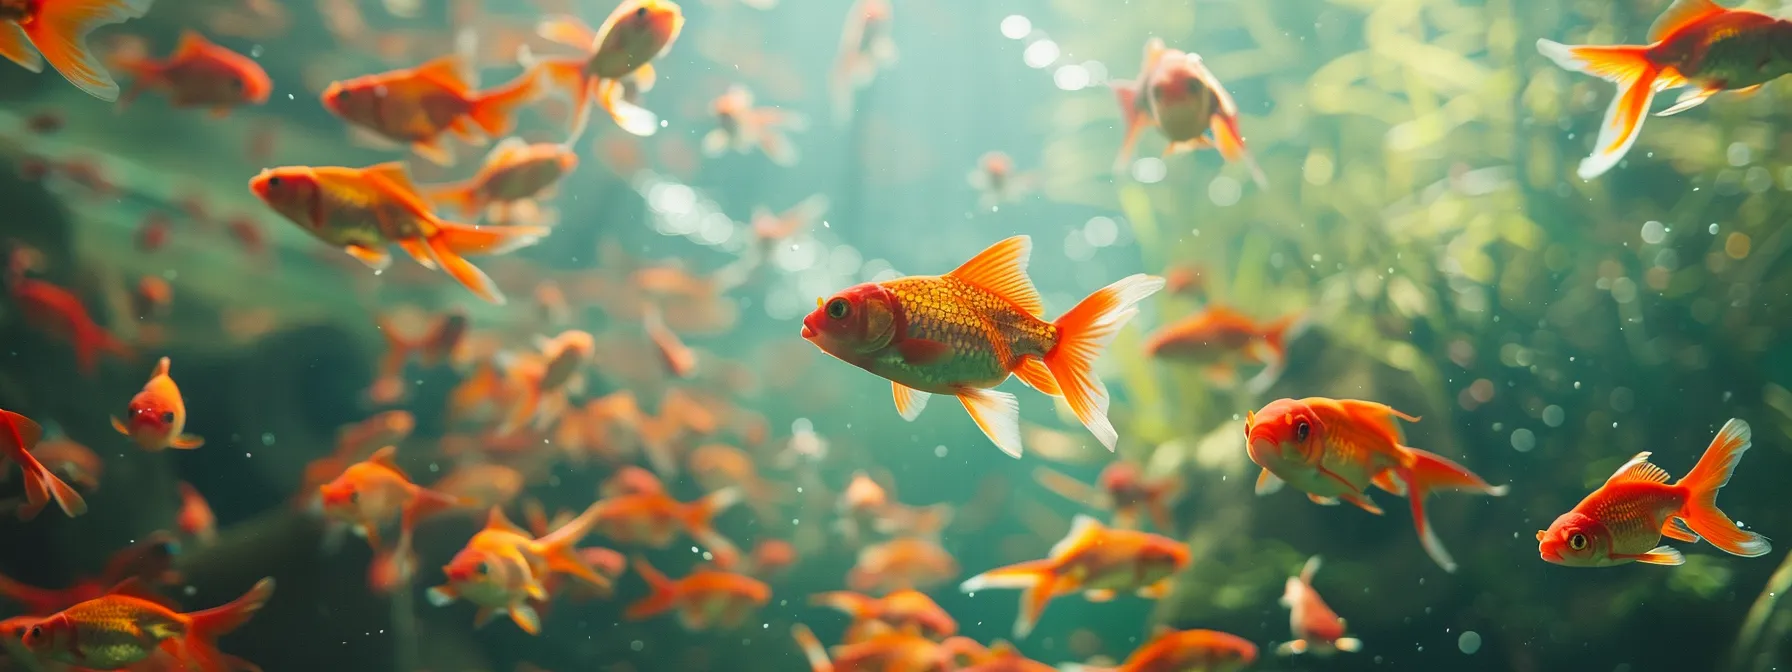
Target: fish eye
column 641, row 12
column 1302, row 430
column 236, row 85
column 1578, row 542
column 354, row 496
column 36, row 632
column 838, row 308
column 274, row 182
column 167, row 416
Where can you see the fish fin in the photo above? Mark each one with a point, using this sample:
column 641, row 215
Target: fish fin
column 206, row 626
column 191, row 44
column 118, row 425
column 495, row 110
column 1389, row 482
column 483, row 616
column 1155, row 591
column 1677, row 530
column 526, row 617
column 461, row 270
column 1065, row 486
column 1033, row 601
column 715, row 142
column 568, row 30
column 41, row 485
column 1035, row 374
column 16, row 47
column 1660, row 555
column 1702, row 483
column 778, row 147
column 1689, row 99
column 1635, row 75
column 923, row 352
column 560, row 548
column 374, row 258
column 1268, row 483
column 388, row 457
column 1292, row 648
column 568, row 74
column 1430, row 471
column 1135, row 120
column 425, row 503
column 1100, row 595
column 394, row 174
column 1084, row 530
column 662, row 592
column 59, row 31
column 434, row 151
column 857, row 606
column 697, row 518
column 1681, row 14
column 1347, row 644
column 496, row 520
column 442, row 596
column 631, row 118
column 186, row 442
column 419, row 252
column 535, row 591
column 997, row 414
column 1362, row 502
column 1309, row 569
column 1640, row 470
column 1019, row 575
column 1002, row 270
column 447, row 70
column 469, row 239
column 812, row 649
column 1230, row 143
column 1083, row 333
column 909, row 401
column 1323, row 501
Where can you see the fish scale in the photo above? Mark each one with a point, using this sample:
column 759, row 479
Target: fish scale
column 985, row 333
column 119, row 631
column 1635, row 518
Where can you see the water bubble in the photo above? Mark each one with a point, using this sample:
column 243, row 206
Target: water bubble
column 1469, row 642
column 1654, row 232
column 1737, row 154
column 1224, row 191
column 1101, row 231
column 637, row 645
column 1523, row 440
column 1071, row 78
column 1040, row 54
column 1015, row 26
column 845, row 260
column 939, row 451
column 1553, row 415
column 1098, row 73
column 1149, row 170
column 802, row 426
column 267, row 439
column 1077, row 247
column 1623, row 290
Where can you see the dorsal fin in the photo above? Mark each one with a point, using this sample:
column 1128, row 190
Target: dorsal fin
column 1639, row 469
column 1679, row 15
column 445, row 70
column 1307, row 571
column 191, row 44
column 1082, row 532
column 392, row 172
column 388, row 457
column 506, row 149
column 496, row 520
column 1002, row 270
column 29, row 431
column 1161, row 630
column 161, row 368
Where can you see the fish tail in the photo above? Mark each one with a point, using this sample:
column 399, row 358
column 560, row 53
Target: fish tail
column 495, row 110
column 16, row 47
column 662, row 592
column 425, row 503
column 451, row 240
column 1083, row 333
column 568, row 75
column 1037, row 579
column 19, row 434
column 398, row 348
column 205, row 627
column 59, row 31
column 812, row 649
column 462, row 196
column 560, row 548
column 1635, row 74
column 89, row 342
column 1230, row 143
column 698, row 516
column 855, row 605
column 631, row 118
column 1702, row 483
column 1430, row 471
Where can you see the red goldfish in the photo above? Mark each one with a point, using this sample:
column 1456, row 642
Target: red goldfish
column 900, row 609
column 717, row 466
column 117, row 630
column 1625, row 519
column 196, row 517
column 153, row 298
column 888, row 650
column 362, row 210
column 903, row 563
column 57, row 29
column 1184, row 650
column 1315, row 626
column 705, row 598
column 371, row 492
column 72, row 461
column 18, row 435
column 623, row 48
column 503, row 569
column 965, row 332
column 997, row 183
column 59, row 312
column 158, row 415
column 1333, row 449
column 418, row 106
column 1192, row 110
column 771, row 227
column 1696, row 44
column 514, row 171
column 865, row 47
column 199, row 74
column 653, row 519
column 1092, row 559
column 679, row 359
column 740, row 126
column 1121, row 488
column 1220, row 337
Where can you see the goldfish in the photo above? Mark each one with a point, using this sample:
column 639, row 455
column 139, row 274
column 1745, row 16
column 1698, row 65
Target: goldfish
column 158, row 415
column 631, row 480
column 652, row 519
column 116, row 630
column 965, row 332
column 1121, row 488
column 56, row 31
column 419, row 106
column 551, row 302
column 196, row 517
column 1315, row 626
column 153, row 298
column 1220, row 337
column 482, row 485
column 898, row 609
column 1092, row 559
column 889, row 650
column 1191, row 108
column 544, row 380
column 514, row 171
column 502, row 568
column 1333, row 449
column 770, row 227
column 864, row 502
column 678, row 358
column 997, row 183
column 199, row 74
column 1184, row 651
column 740, row 127
column 18, row 435
column 136, row 567
column 623, row 48
column 1003, row 657
column 371, row 492
column 705, row 598
column 353, row 443
column 865, row 48
column 72, row 461
column 1624, row 520
column 61, row 313
column 361, row 210
column 716, row 466
column 902, row 563
column 770, row 558
column 1695, row 44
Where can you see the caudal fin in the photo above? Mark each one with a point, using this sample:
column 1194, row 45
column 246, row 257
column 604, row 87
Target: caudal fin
column 662, row 595
column 463, row 197
column 1637, row 79
column 1430, row 472
column 812, row 649
column 60, row 29
column 1230, row 142
column 1135, row 119
column 560, row 548
column 425, row 503
column 1038, row 581
column 41, row 485
column 1083, row 333
column 205, row 627
column 453, row 240
column 495, row 110
column 1702, row 483
column 698, row 518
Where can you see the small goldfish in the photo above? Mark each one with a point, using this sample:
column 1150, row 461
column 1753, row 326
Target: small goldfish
column 888, row 650
column 997, row 183
column 965, row 332
column 361, row 210
column 1122, row 488
column 551, row 303
column 502, row 569
column 740, row 127
column 371, row 492
column 61, row 313
column 653, row 519
column 914, row 563
column 623, row 48
column 1315, row 626
column 1003, row 657
column 1192, row 110
column 770, row 558
column 865, row 503
column 199, row 74
column 716, row 466
column 865, row 48
column 1220, row 338
column 1696, row 44
column 678, row 358
column 196, row 517
column 1092, row 559
column 771, row 227
column 158, row 415
column 1184, row 651
column 1333, row 449
column 420, row 106
column 18, row 435
column 1625, row 519
column 631, row 480
column 58, row 31
column 705, row 598
column 543, row 380
column 899, row 609
column 514, row 171
column 482, row 485
column 117, row 630
column 153, row 298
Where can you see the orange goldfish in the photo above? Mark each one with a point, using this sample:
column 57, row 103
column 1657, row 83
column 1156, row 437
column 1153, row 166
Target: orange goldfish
column 117, row 630
column 482, row 485
column 1315, row 626
column 902, row 563
column 1219, row 337
column 158, row 415
column 419, row 106
column 57, row 29
column 889, row 650
column 153, row 298
column 543, row 380
column 769, row 227
column 652, row 519
column 196, row 517
column 679, row 359
column 997, row 183
column 899, row 609
column 361, row 210
column 1121, row 488
column 371, row 492
column 716, row 466
column 864, row 502
column 705, row 598
column 1333, row 449
column 740, row 127
column 1003, row 657
column 503, row 568
column 1092, row 559
column 18, row 435
column 770, row 558
column 1625, row 519
column 61, row 313
column 623, row 48
column 1184, row 651
column 965, row 332
column 199, row 74
column 865, row 48
column 136, row 567
column 1192, row 110
column 514, row 171
column 1696, row 44
column 353, row 444
column 631, row 480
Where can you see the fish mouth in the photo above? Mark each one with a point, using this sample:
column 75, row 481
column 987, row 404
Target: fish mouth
column 810, row 330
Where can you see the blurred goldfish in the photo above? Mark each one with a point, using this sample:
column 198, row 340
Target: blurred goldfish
column 865, row 48
column 153, row 299
column 866, row 503
column 631, row 480
column 770, row 228
column 653, row 519
column 514, row 171
column 420, row 106
column 623, row 48
column 1190, row 107
column 705, row 598
column 1172, row 650
column 198, row 74
column 1315, row 626
column 1092, row 559
column 371, row 492
column 718, row 466
column 886, row 651
column 740, row 127
column 900, row 609
column 482, row 486
column 997, row 183
column 769, row 559
column 550, row 300
column 158, row 415
column 18, row 435
column 116, row 630
column 195, row 517
column 72, row 461
column 152, row 233
column 965, row 332
column 679, row 359
column 502, row 569
column 61, row 313
column 914, row 563
column 138, row 567
column 58, row 31
column 1003, row 657
column 542, row 380
column 1220, row 337
column 1121, row 488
